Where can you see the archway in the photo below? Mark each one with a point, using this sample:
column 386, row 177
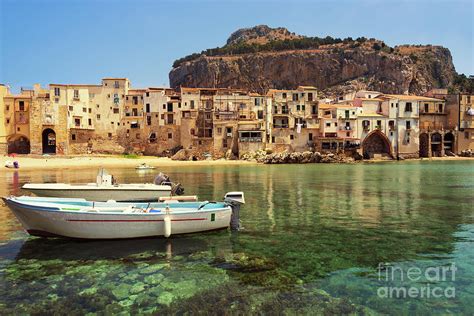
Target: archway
column 49, row 141
column 436, row 145
column 448, row 142
column 424, row 145
column 18, row 144
column 376, row 143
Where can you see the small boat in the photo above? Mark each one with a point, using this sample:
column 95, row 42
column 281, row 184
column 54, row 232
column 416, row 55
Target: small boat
column 106, row 188
column 12, row 164
column 79, row 218
column 144, row 166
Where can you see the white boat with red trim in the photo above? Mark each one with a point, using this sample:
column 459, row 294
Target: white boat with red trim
column 79, row 218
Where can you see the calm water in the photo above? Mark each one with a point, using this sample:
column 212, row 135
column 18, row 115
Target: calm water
column 313, row 240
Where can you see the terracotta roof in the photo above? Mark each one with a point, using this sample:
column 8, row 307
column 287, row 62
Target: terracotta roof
column 74, row 85
column 370, row 99
column 18, row 96
column 411, row 97
column 371, row 115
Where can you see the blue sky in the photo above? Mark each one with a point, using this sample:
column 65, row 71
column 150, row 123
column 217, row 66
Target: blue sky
column 83, row 41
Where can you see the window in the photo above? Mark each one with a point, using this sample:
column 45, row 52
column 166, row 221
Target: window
column 76, row 94
column 22, row 105
column 335, row 123
column 8, row 108
column 162, row 116
column 170, row 135
column 192, row 131
column 90, row 122
column 426, row 108
column 391, row 105
column 192, row 104
column 391, row 125
column 310, row 136
column 292, row 137
column 224, row 142
column 135, row 100
column 8, row 121
column 302, row 107
column 314, row 110
column 70, row 108
column 98, row 117
column 110, row 135
column 57, row 92
column 440, row 107
column 283, row 95
column 466, row 135
column 84, row 110
column 408, row 107
column 328, row 124
column 116, row 111
column 257, row 102
column 219, row 130
column 98, row 106
column 310, row 96
column 295, row 96
column 148, row 94
column 164, row 106
column 77, row 122
column 73, row 136
column 90, row 110
column 379, row 124
column 116, row 85
column 298, row 107
column 348, row 134
column 408, row 125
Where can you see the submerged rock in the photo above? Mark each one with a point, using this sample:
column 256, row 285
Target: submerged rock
column 121, row 291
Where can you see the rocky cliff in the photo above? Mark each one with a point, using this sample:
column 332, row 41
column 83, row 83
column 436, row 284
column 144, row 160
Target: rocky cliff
column 333, row 65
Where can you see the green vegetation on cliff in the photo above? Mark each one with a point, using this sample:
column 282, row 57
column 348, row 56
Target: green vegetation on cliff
column 243, row 47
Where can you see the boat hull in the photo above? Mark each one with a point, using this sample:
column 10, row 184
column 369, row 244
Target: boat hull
column 50, row 221
column 97, row 193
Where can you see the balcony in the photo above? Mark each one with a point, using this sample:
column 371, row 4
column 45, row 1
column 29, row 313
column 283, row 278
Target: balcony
column 467, row 124
column 134, row 114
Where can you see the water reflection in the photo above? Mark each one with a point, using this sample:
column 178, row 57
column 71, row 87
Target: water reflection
column 303, row 225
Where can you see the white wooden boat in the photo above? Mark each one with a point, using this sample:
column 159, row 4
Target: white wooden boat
column 106, row 189
column 78, row 218
column 144, row 166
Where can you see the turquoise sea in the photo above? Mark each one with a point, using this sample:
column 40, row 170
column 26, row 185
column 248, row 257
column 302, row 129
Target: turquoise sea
column 364, row 238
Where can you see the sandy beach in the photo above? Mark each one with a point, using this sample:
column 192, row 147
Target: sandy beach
column 52, row 162
column 57, row 162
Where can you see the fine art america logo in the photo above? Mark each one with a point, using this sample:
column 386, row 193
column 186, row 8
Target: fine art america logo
column 431, row 282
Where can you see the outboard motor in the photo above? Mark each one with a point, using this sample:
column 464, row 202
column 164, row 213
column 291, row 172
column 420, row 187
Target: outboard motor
column 235, row 200
column 161, row 178
column 177, row 189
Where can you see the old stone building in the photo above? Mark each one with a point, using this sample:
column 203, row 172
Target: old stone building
column 112, row 117
column 294, row 123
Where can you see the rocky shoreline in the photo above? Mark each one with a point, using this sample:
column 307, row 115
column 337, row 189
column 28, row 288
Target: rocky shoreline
column 298, row 157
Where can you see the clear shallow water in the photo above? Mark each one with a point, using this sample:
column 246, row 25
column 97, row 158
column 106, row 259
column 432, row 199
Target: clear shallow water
column 313, row 240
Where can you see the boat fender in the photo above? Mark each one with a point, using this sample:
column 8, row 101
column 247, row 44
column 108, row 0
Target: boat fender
column 167, row 223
